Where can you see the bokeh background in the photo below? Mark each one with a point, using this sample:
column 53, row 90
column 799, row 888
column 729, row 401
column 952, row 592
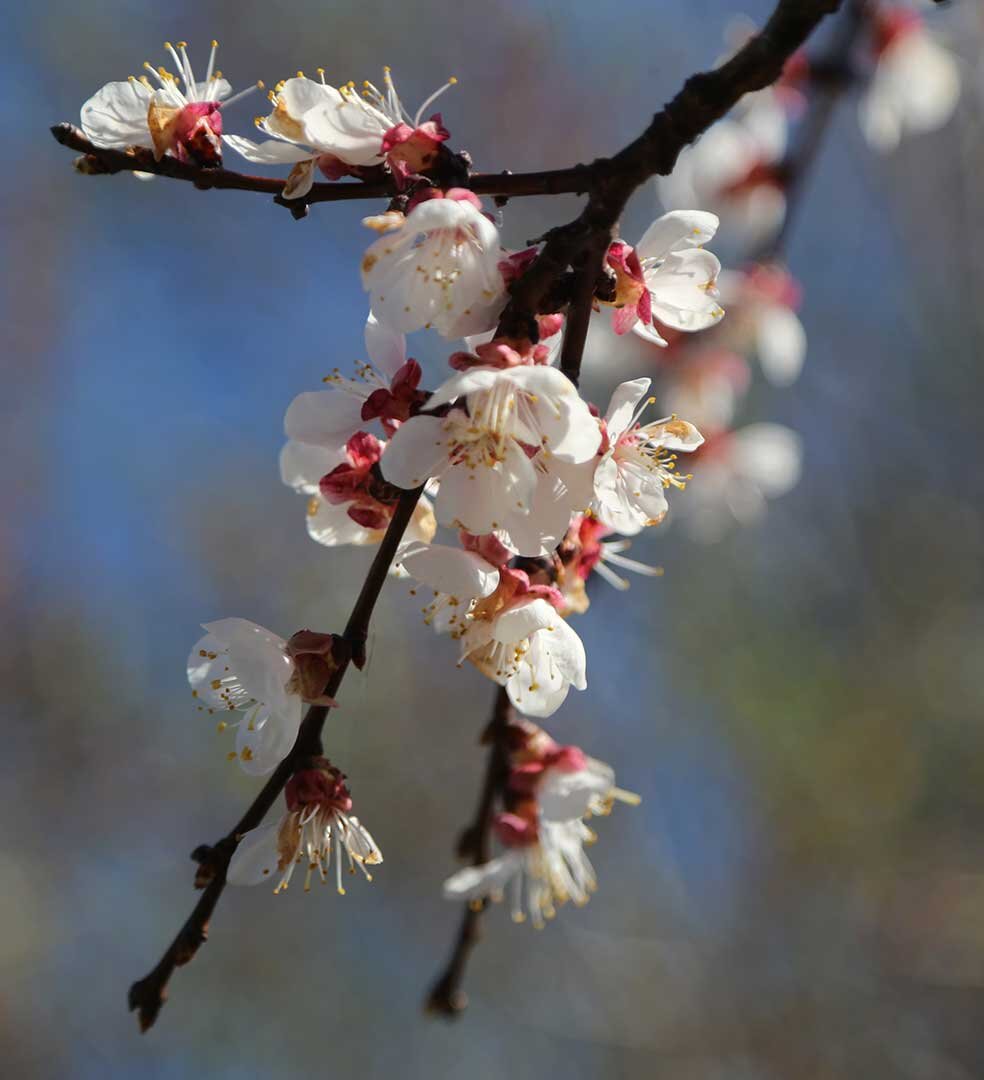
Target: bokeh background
column 801, row 893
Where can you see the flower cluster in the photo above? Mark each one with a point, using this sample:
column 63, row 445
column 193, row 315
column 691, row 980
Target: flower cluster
column 548, row 792
column 530, row 478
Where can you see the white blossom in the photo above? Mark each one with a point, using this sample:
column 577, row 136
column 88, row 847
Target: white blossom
column 438, row 268
column 536, row 876
column 509, row 461
column 243, row 669
column 631, row 479
column 179, row 116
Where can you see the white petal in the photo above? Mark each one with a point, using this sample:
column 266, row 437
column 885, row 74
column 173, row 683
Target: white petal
column 477, row 882
column 330, row 525
column 525, row 619
column 386, row 348
column 265, row 735
column 780, row 343
column 677, row 230
column 116, row 115
column 451, row 570
column 256, row 857
column 269, row 152
column 623, row 405
column 302, row 465
column 256, row 657
column 769, row 454
column 417, row 451
column 327, row 418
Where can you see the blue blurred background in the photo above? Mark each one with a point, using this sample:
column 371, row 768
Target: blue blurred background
column 801, row 893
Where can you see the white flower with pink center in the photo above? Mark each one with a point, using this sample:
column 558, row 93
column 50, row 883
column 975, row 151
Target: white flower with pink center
column 384, row 389
column 509, row 629
column 544, row 864
column 180, row 116
column 317, row 829
column 514, row 455
column 339, row 131
column 347, row 500
column 241, row 669
column 437, row 267
column 916, row 83
column 667, row 278
column 639, row 465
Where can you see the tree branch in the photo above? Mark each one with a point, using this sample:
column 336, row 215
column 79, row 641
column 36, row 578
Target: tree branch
column 147, row 995
column 446, row 996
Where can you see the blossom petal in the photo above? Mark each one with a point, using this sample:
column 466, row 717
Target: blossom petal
column 265, row 735
column 623, row 404
column 478, row 882
column 255, row 858
column 417, row 451
column 327, row 418
column 451, row 570
column 386, row 348
column 116, row 115
column 269, row 152
column 780, row 344
column 302, row 465
column 677, row 230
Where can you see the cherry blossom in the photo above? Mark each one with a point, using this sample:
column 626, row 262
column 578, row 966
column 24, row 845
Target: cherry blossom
column 318, row 827
column 517, row 459
column 384, row 388
column 916, row 83
column 631, row 479
column 240, row 667
column 738, row 472
column 668, row 278
column 347, row 500
column 182, row 120
column 507, row 627
column 340, row 131
column 543, row 865
column 437, row 267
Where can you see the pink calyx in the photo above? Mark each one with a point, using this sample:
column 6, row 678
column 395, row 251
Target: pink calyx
column 352, row 482
column 632, row 301
column 320, row 785
column 411, row 151
column 394, row 405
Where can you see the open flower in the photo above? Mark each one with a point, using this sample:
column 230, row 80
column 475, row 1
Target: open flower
column 436, row 267
column 242, row 668
column 631, row 479
column 509, row 461
column 667, row 278
column 384, row 388
column 733, row 169
column 739, row 472
column 544, row 864
column 340, row 131
column 916, row 83
column 182, row 120
column 507, row 627
column 347, row 500
column 317, row 828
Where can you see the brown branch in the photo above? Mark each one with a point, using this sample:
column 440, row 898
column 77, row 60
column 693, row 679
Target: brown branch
column 446, row 996
column 705, row 98
column 99, row 161
column 147, row 995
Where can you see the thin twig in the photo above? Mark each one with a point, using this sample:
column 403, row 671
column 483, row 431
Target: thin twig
column 147, row 995
column 446, row 996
